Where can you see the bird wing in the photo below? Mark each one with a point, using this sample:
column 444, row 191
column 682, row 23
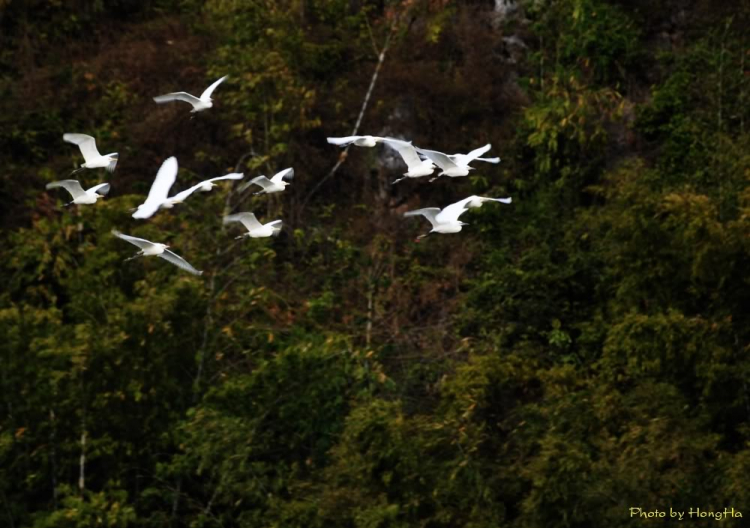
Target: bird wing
column 179, row 262
column 343, row 141
column 208, row 91
column 72, row 186
column 276, row 224
column 140, row 242
column 187, row 192
column 86, row 143
column 247, row 219
column 181, row 196
column 407, row 151
column 113, row 163
column 430, row 213
column 164, row 180
column 439, row 159
column 159, row 189
column 474, row 154
column 102, row 188
column 501, row 200
column 451, row 212
column 177, row 96
column 262, row 181
column 286, row 173
column 231, row 176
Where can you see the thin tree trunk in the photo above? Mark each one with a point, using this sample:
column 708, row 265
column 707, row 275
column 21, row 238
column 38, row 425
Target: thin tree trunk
column 366, row 101
column 53, row 455
column 82, row 460
column 82, row 465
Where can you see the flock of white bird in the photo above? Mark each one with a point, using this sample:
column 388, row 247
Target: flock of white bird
column 420, row 163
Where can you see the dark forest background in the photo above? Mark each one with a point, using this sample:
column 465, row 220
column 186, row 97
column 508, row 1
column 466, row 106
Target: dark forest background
column 580, row 352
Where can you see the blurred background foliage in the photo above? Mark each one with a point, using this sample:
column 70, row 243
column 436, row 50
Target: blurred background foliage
column 580, row 352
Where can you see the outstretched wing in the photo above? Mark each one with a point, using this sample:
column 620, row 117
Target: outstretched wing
column 451, row 212
column 286, row 173
column 102, row 188
column 140, row 242
column 113, row 163
column 343, row 141
column 430, row 213
column 179, row 262
column 159, row 189
column 501, row 200
column 231, row 176
column 208, row 91
column 86, row 143
column 72, row 186
column 177, row 96
column 439, row 159
column 276, row 224
column 247, row 219
column 474, row 154
column 406, row 150
column 181, row 196
column 262, row 181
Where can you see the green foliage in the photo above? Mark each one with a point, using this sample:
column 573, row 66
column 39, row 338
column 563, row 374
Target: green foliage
column 562, row 359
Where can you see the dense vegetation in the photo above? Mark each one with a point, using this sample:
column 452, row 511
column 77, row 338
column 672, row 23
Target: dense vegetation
column 563, row 359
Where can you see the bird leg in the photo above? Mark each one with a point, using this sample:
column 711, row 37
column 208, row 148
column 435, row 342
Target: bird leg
column 69, row 203
column 139, row 254
column 396, row 181
column 239, row 237
column 435, row 178
column 259, row 192
column 77, row 171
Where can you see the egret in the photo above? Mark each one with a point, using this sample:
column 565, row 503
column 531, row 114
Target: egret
column 94, row 160
column 203, row 186
column 359, row 141
column 446, row 221
column 149, row 249
column 254, row 228
column 204, row 102
column 275, row 184
column 465, row 159
column 159, row 189
column 81, row 197
column 456, row 165
column 417, row 167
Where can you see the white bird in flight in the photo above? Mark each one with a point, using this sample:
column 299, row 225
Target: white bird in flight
column 275, row 184
column 159, row 189
column 149, row 249
column 417, row 166
column 94, row 160
column 465, row 159
column 446, row 221
column 359, row 141
column 254, row 228
column 81, row 197
column 204, row 102
column 457, row 164
column 203, row 186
